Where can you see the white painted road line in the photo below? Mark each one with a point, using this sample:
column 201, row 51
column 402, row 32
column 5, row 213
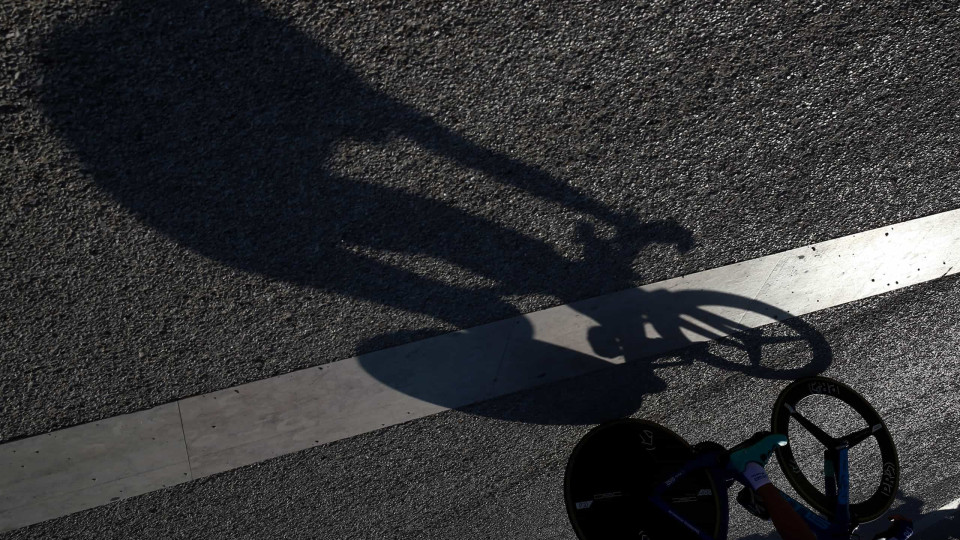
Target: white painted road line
column 951, row 506
column 51, row 475
column 92, row 464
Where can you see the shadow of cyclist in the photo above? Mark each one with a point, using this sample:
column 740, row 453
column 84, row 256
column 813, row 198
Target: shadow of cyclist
column 635, row 333
column 217, row 124
column 627, row 341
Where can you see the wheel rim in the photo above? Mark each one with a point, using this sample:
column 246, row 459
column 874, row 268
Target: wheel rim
column 613, row 468
column 885, row 493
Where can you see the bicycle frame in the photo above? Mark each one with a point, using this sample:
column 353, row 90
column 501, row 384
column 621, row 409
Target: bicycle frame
column 836, row 481
column 709, row 461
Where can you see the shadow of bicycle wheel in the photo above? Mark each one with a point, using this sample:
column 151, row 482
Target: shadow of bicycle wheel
column 623, row 339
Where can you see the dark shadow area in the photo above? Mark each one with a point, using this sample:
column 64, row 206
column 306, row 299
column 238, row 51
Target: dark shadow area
column 787, row 349
column 216, row 124
column 931, row 524
column 940, row 525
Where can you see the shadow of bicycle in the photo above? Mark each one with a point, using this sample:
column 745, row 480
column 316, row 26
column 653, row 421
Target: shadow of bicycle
column 254, row 145
column 633, row 334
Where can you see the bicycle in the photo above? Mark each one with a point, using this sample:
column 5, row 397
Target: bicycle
column 636, row 479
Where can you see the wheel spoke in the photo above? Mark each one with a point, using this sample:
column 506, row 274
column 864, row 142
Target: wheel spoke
column 611, row 495
column 858, row 437
column 602, row 498
column 821, row 435
column 687, row 497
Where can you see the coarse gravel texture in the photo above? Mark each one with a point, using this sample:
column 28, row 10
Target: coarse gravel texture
column 201, row 194
column 471, row 474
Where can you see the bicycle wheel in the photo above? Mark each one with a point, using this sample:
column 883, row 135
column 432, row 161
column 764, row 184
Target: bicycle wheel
column 788, row 407
column 614, row 468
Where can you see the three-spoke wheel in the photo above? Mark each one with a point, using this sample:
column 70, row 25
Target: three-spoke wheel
column 788, row 417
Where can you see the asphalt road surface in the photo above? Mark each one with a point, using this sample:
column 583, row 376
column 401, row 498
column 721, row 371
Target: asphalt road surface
column 201, row 194
column 472, row 474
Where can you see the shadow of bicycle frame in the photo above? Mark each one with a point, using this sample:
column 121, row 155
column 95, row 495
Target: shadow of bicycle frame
column 632, row 334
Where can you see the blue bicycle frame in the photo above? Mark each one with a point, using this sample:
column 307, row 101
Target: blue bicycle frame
column 837, row 487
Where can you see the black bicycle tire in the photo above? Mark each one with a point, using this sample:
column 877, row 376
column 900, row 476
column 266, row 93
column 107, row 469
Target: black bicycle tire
column 875, row 505
column 572, row 463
